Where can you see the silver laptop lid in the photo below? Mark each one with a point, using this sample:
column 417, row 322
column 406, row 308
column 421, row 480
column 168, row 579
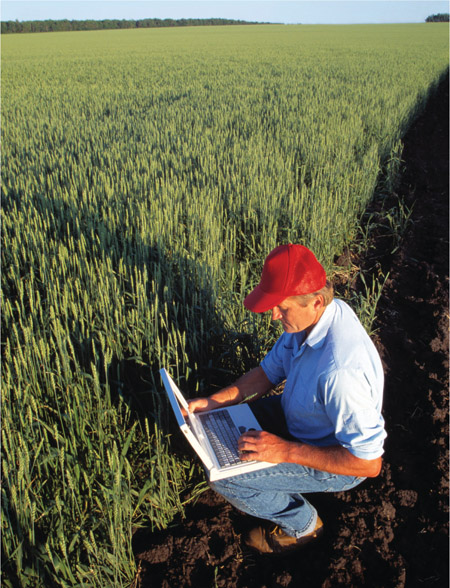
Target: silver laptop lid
column 169, row 383
column 175, row 396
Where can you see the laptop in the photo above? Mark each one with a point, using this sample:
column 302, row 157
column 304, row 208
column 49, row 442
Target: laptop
column 214, row 434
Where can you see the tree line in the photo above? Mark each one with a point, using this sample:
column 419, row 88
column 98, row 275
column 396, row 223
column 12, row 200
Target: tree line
column 438, row 17
column 46, row 26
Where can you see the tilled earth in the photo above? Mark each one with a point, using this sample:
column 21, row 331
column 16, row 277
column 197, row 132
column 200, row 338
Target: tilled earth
column 391, row 530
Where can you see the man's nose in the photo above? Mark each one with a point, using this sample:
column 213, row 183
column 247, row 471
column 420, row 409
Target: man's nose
column 276, row 314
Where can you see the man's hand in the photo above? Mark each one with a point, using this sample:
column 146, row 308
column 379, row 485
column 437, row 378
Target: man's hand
column 254, row 383
column 202, row 404
column 263, row 446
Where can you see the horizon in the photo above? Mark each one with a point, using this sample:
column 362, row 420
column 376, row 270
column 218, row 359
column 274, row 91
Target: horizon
column 305, row 12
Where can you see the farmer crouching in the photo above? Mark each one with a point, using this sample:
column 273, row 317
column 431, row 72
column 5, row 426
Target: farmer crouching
column 325, row 431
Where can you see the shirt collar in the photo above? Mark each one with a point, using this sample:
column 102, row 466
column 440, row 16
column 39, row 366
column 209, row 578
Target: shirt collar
column 317, row 336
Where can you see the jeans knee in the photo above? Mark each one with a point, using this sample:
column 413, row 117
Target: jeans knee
column 219, row 487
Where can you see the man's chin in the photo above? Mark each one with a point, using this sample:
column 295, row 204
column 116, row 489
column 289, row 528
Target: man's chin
column 290, row 329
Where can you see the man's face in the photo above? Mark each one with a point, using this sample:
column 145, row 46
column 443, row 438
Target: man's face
column 296, row 318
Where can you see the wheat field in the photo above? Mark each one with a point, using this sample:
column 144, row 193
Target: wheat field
column 145, row 176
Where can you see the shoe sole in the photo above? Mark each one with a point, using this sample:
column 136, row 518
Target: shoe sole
column 308, row 540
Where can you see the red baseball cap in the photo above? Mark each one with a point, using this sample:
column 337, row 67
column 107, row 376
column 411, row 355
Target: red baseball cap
column 289, row 270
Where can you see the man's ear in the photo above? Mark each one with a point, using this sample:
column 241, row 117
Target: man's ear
column 319, row 302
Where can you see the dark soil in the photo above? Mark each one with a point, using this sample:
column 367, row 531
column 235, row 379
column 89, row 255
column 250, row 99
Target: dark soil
column 391, row 530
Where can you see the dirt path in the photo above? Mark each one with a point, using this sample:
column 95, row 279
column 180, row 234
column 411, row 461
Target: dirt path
column 392, row 530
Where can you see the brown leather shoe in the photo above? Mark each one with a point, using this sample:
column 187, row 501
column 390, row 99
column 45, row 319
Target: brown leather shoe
column 274, row 540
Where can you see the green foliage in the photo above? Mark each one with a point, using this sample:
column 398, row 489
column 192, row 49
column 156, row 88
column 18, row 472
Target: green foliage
column 364, row 302
column 49, row 25
column 146, row 174
column 441, row 17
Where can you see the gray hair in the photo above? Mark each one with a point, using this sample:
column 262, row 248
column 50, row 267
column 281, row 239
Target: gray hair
column 327, row 292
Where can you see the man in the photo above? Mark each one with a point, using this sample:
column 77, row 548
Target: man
column 325, row 431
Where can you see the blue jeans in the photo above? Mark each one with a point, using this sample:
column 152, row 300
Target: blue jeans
column 275, row 493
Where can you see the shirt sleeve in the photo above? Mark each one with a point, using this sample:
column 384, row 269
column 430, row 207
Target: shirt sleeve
column 273, row 364
column 351, row 405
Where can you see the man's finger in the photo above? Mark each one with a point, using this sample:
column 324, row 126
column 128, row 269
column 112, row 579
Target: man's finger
column 251, row 435
column 246, row 446
column 247, row 455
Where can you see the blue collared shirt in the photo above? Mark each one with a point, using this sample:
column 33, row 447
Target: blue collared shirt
column 334, row 383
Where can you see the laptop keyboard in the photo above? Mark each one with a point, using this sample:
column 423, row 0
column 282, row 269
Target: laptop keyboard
column 223, row 435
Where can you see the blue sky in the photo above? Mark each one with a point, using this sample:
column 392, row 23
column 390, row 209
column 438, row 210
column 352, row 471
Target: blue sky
column 292, row 11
